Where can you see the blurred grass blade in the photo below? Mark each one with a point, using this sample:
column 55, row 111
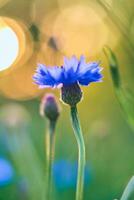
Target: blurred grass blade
column 125, row 97
column 117, row 21
column 128, row 190
column 114, row 67
column 27, row 162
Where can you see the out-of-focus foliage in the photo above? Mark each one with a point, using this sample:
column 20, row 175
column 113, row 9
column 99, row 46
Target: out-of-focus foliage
column 124, row 95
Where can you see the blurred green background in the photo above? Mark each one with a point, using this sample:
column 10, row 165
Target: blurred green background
column 45, row 32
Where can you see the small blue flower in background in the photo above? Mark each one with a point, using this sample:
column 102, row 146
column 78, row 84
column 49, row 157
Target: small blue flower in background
column 6, row 172
column 73, row 71
column 65, row 174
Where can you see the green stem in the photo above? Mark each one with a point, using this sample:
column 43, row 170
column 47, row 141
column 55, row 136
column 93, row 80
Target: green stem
column 81, row 155
column 128, row 190
column 50, row 145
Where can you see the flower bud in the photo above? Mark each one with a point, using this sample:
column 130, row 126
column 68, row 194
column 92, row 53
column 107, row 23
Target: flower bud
column 71, row 94
column 49, row 107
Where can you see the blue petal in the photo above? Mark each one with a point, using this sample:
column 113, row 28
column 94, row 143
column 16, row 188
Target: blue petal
column 86, row 67
column 49, row 76
column 71, row 64
column 88, row 78
column 55, row 73
column 89, row 72
column 42, row 69
column 72, row 71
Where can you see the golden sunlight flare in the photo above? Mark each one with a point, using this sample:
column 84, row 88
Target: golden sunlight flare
column 15, row 44
column 9, row 47
column 78, row 29
column 19, row 84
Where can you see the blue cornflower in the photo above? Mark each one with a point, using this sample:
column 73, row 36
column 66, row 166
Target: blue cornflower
column 73, row 71
column 6, row 172
column 68, row 77
column 65, row 174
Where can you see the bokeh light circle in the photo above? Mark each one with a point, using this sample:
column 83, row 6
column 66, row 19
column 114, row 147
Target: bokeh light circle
column 19, row 84
column 14, row 114
column 9, row 47
column 64, row 4
column 79, row 29
column 16, row 44
column 16, row 80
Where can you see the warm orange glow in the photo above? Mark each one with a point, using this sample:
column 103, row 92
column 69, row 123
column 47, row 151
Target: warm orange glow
column 9, row 47
column 84, row 32
column 79, row 30
column 3, row 2
column 19, row 84
column 15, row 44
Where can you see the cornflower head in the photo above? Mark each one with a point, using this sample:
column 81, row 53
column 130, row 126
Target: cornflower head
column 69, row 77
